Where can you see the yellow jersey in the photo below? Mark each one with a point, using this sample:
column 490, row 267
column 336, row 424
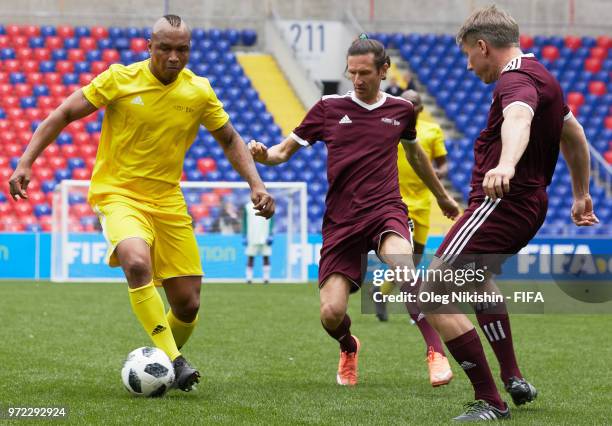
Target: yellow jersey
column 414, row 192
column 147, row 129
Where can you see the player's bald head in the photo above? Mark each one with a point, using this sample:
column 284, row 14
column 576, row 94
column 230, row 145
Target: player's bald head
column 169, row 23
column 414, row 97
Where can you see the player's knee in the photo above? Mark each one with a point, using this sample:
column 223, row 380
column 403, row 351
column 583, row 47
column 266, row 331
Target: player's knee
column 188, row 310
column 137, row 269
column 331, row 314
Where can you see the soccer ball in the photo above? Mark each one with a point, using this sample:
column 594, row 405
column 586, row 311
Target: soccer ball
column 147, row 372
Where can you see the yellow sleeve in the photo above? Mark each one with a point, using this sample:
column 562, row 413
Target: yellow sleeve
column 214, row 116
column 102, row 89
column 439, row 149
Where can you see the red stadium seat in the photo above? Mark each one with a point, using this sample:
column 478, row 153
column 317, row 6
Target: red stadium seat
column 599, row 53
column 71, row 88
column 210, row 199
column 41, row 161
column 64, row 67
column 6, row 89
column 13, row 226
column 526, row 42
column 6, row 209
column 14, row 113
column 12, row 30
column 35, row 78
column 4, row 161
column 95, row 138
column 597, row 88
column 29, row 66
column 11, row 65
column 82, row 209
column 30, row 30
column 70, row 151
column 52, row 78
column 138, row 45
column 36, row 196
column 75, row 127
column 592, row 64
column 57, row 162
column 5, row 125
column 28, row 220
column 604, row 41
column 76, row 55
column 42, row 54
column 4, row 41
column 22, row 209
column 573, row 42
column 46, row 223
column 98, row 66
column 550, row 52
column 608, row 157
column 23, row 53
column 34, row 185
column 21, row 125
column 90, row 162
column 57, row 90
column 24, row 137
column 98, row 32
column 54, row 42
column 206, row 165
column 198, row 211
column 20, row 41
column 80, row 138
column 4, row 77
column 45, row 102
column 82, row 174
column 88, row 151
column 85, row 78
column 51, row 150
column 88, row 43
column 65, row 31
column 608, row 122
column 110, row 56
column 11, row 148
column 43, row 173
column 5, row 173
column 22, row 90
column 34, row 114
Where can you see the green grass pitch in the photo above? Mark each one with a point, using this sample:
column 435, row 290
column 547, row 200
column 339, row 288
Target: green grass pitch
column 265, row 360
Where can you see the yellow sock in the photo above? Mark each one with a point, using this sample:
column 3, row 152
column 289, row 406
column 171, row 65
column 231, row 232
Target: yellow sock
column 387, row 287
column 180, row 330
column 148, row 306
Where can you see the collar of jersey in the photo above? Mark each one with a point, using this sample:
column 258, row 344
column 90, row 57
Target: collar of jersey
column 369, row 107
column 522, row 55
column 155, row 79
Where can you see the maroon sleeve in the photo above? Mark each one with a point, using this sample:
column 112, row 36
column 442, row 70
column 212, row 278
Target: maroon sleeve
column 516, row 86
column 311, row 128
column 409, row 132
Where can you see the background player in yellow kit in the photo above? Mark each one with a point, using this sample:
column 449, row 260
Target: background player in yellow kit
column 154, row 109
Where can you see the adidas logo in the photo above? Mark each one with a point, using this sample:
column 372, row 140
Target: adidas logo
column 158, row 329
column 421, row 316
column 466, row 365
column 137, row 101
column 345, row 120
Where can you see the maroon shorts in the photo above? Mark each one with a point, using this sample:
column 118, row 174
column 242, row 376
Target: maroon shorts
column 345, row 248
column 493, row 230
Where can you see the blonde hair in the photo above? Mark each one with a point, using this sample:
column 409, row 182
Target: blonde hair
column 491, row 24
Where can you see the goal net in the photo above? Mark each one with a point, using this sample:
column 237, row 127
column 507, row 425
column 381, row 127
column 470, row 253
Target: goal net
column 78, row 246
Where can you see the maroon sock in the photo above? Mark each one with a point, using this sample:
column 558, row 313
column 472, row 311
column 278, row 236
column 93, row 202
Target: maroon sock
column 431, row 337
column 467, row 351
column 343, row 335
column 495, row 324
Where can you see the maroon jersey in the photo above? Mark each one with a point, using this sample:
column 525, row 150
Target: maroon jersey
column 361, row 142
column 526, row 81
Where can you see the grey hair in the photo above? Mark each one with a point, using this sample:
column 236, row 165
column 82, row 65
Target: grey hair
column 491, row 24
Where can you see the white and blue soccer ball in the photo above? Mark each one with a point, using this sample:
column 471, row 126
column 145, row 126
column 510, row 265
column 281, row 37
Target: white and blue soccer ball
column 147, row 372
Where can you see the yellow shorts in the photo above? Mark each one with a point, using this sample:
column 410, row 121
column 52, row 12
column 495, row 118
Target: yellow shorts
column 167, row 229
column 421, row 225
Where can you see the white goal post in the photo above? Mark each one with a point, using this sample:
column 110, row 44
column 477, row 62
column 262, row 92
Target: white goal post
column 78, row 245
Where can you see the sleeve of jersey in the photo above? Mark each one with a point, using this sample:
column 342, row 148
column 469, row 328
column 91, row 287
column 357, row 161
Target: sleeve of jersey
column 567, row 112
column 439, row 149
column 311, row 128
column 214, row 116
column 517, row 88
column 102, row 89
column 409, row 134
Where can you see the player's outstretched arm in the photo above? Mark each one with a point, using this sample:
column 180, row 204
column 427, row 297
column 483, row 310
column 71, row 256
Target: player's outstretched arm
column 515, row 137
column 74, row 107
column 238, row 155
column 575, row 149
column 422, row 166
column 277, row 154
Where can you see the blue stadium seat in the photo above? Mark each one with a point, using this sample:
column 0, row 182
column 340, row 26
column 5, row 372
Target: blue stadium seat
column 61, row 174
column 105, row 43
column 47, row 30
column 81, row 31
column 75, row 163
column 36, row 42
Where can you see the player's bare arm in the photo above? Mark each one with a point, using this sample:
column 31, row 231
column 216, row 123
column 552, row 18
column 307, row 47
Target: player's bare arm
column 441, row 166
column 238, row 155
column 277, row 154
column 515, row 137
column 575, row 150
column 74, row 107
column 425, row 171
